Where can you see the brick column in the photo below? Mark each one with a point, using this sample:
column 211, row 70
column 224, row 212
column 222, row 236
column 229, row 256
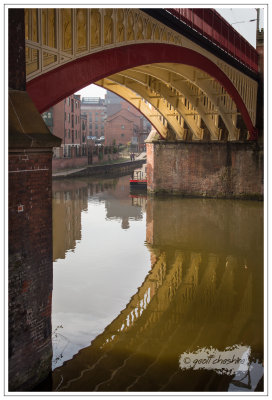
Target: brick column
column 30, row 225
column 30, row 243
column 30, row 267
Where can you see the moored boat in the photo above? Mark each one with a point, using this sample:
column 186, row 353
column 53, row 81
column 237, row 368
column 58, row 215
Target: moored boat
column 138, row 179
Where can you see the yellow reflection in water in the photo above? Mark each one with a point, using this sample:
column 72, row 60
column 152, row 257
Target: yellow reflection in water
column 204, row 290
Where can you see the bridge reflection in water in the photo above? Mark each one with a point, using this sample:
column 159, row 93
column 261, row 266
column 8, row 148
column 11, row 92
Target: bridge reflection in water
column 204, row 290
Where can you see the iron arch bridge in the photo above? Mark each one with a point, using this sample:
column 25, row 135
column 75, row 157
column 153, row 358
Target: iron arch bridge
column 186, row 70
column 189, row 83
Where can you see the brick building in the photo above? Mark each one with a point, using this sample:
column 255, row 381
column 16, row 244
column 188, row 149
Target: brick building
column 115, row 103
column 95, row 111
column 64, row 121
column 125, row 124
column 76, row 121
column 126, row 127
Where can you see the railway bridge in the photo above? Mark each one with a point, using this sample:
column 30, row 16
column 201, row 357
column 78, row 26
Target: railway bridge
column 187, row 70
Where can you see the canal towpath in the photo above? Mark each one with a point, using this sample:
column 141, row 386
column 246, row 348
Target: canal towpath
column 126, row 165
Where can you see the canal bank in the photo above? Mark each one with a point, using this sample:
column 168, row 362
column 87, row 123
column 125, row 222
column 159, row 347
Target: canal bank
column 105, row 170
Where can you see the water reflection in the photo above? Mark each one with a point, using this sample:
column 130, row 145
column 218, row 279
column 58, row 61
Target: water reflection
column 70, row 199
column 202, row 291
column 100, row 265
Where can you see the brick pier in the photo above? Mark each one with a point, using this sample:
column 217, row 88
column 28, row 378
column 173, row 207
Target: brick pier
column 30, row 243
column 30, row 224
column 206, row 169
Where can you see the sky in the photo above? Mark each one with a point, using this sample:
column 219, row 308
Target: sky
column 240, row 18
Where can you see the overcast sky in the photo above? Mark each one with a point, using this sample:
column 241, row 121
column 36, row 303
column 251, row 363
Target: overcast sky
column 239, row 18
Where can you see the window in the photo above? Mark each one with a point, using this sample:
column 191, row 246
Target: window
column 68, row 117
column 65, row 116
column 122, row 134
column 123, row 126
column 69, row 133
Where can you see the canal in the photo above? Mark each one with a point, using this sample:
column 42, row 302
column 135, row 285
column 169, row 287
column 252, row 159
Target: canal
column 155, row 294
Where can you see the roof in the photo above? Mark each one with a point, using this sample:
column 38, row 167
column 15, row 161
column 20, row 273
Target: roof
column 121, row 112
column 118, row 116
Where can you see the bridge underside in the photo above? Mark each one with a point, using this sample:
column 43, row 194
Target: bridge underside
column 181, row 102
column 184, row 90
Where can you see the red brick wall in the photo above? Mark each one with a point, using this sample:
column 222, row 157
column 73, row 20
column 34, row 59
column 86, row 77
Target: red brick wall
column 206, row 169
column 30, row 268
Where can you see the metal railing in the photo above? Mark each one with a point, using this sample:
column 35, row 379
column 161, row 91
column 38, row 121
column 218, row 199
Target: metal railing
column 210, row 24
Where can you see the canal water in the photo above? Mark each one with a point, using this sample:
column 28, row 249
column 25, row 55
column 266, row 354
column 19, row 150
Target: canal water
column 155, row 294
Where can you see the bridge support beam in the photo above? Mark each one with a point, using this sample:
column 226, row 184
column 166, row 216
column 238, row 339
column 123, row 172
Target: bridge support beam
column 205, row 169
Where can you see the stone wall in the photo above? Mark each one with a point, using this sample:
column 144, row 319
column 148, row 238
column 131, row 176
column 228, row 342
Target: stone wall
column 30, row 267
column 206, row 169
